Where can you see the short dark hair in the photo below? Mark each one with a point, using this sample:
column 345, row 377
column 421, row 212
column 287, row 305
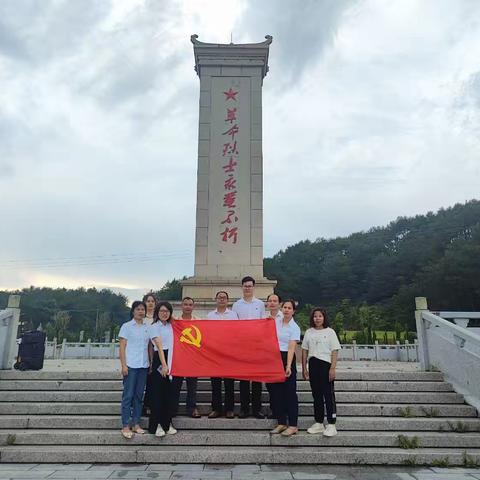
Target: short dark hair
column 148, row 295
column 292, row 301
column 322, row 310
column 136, row 304
column 248, row 279
column 169, row 307
column 277, row 295
column 188, row 298
column 222, row 291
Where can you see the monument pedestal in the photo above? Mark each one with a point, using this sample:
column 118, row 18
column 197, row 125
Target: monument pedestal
column 203, row 290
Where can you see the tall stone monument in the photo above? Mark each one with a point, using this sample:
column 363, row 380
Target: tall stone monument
column 229, row 215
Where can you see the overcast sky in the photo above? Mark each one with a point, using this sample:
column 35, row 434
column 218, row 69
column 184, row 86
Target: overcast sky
column 371, row 111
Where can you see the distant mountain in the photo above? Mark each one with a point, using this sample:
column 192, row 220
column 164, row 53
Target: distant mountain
column 436, row 255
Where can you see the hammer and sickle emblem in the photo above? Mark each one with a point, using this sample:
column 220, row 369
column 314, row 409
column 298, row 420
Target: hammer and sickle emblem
column 187, row 336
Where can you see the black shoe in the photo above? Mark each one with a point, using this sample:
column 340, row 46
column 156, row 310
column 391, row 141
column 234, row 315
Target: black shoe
column 259, row 415
column 243, row 414
column 271, row 416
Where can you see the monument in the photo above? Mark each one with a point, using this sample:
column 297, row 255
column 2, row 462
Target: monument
column 229, row 212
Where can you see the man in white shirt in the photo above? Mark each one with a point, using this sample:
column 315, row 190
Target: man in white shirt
column 222, row 312
column 249, row 308
column 187, row 314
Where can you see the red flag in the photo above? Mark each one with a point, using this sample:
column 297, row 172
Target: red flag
column 240, row 349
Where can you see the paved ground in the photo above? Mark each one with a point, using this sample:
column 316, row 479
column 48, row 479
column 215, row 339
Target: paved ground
column 106, row 365
column 232, row 472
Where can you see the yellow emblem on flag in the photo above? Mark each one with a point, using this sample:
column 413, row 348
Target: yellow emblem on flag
column 187, row 336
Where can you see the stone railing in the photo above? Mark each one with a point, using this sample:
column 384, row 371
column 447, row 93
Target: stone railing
column 407, row 352
column 9, row 320
column 89, row 349
column 451, row 348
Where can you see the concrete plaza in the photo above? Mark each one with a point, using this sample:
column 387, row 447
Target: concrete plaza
column 233, row 472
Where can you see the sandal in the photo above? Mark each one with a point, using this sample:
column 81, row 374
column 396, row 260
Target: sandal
column 289, row 432
column 138, row 430
column 128, row 434
column 279, row 429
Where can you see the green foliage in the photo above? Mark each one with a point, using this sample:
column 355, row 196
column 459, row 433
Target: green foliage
column 431, row 412
column 469, row 461
column 406, row 412
column 459, row 427
column 432, row 255
column 441, row 462
column 408, row 443
column 172, row 290
column 11, row 439
column 410, row 462
column 91, row 310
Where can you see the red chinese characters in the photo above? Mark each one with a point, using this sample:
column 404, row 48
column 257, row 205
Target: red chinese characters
column 230, row 154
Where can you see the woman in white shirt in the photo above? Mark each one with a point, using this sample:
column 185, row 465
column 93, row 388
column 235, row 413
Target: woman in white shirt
column 320, row 348
column 150, row 302
column 285, row 399
column 134, row 338
column 162, row 395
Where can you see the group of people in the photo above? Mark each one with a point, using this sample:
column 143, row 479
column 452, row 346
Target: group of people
column 146, row 342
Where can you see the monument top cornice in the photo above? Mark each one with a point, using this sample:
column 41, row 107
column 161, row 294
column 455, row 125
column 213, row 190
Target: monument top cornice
column 231, row 54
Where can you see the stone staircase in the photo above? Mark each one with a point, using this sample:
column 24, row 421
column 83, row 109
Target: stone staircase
column 63, row 417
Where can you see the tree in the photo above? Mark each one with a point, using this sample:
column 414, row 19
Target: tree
column 60, row 324
column 172, row 290
column 337, row 323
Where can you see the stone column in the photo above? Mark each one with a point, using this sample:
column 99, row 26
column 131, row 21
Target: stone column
column 229, row 215
column 9, row 322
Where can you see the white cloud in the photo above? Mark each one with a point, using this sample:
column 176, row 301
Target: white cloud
column 376, row 104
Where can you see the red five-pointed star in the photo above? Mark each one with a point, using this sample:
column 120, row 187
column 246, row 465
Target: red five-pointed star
column 230, row 94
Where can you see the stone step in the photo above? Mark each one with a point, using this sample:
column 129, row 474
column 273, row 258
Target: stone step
column 111, row 422
column 305, row 397
column 342, row 374
column 241, row 438
column 343, row 409
column 205, row 385
column 235, row 455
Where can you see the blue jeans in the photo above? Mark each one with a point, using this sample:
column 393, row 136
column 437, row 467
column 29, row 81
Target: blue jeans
column 132, row 398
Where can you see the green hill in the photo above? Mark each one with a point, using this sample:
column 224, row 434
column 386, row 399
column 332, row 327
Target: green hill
column 436, row 255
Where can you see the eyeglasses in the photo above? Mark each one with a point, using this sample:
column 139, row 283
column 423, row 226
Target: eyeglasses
column 164, row 311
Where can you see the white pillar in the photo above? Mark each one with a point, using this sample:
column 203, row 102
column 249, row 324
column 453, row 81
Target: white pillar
column 420, row 307
column 9, row 321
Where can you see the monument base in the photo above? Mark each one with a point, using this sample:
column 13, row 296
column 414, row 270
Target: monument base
column 203, row 291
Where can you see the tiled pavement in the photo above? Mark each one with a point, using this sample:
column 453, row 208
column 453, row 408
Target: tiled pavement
column 230, row 472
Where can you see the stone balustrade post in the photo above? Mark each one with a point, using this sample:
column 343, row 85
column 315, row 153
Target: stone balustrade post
column 9, row 330
column 423, row 357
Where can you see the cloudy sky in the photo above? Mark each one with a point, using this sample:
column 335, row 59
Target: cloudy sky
column 371, row 111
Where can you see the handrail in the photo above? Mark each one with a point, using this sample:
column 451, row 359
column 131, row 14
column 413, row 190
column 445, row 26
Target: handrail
column 451, row 348
column 464, row 333
column 469, row 315
column 4, row 314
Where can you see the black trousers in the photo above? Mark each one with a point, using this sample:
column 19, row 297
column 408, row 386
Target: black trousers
column 323, row 391
column 191, row 401
column 255, row 398
column 217, row 394
column 284, row 396
column 161, row 407
column 148, row 392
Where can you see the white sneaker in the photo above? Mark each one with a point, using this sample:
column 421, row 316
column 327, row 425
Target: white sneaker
column 171, row 430
column 330, row 431
column 316, row 428
column 160, row 432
